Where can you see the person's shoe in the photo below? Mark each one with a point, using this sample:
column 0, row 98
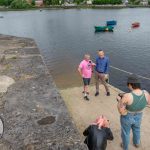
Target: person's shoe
column 137, row 145
column 121, row 145
column 86, row 92
column 86, row 98
column 108, row 94
column 97, row 93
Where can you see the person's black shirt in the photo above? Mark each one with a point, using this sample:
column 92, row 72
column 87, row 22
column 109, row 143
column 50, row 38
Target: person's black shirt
column 97, row 138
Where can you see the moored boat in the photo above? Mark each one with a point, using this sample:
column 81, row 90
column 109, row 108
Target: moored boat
column 111, row 23
column 103, row 28
column 135, row 24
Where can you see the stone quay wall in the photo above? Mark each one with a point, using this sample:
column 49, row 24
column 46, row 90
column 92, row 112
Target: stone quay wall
column 34, row 113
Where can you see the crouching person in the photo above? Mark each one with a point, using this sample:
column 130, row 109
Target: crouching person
column 97, row 134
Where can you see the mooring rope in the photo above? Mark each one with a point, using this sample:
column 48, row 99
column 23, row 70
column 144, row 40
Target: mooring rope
column 129, row 72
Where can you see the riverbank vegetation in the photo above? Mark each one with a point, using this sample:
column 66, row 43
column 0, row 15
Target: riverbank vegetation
column 27, row 4
column 103, row 2
column 16, row 4
column 20, row 4
column 134, row 2
column 52, row 2
column 5, row 2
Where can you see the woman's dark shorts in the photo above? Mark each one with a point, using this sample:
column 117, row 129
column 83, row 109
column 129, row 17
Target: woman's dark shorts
column 86, row 81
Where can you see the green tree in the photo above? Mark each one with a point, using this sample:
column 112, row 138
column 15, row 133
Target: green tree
column 51, row 2
column 78, row 1
column 103, row 2
column 5, row 2
column 20, row 4
column 47, row 2
column 33, row 2
column 55, row 2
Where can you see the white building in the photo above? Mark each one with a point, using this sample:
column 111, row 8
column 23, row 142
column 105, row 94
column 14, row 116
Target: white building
column 89, row 2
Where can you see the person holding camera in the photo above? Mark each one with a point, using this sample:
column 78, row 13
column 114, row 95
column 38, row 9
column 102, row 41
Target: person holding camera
column 98, row 133
column 131, row 105
column 101, row 74
column 85, row 69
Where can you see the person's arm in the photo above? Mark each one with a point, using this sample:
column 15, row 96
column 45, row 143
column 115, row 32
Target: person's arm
column 109, row 134
column 93, row 66
column 80, row 69
column 122, row 102
column 147, row 95
column 107, row 66
column 86, row 131
column 96, row 65
column 149, row 99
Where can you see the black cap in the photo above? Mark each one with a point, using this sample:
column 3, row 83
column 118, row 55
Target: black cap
column 133, row 79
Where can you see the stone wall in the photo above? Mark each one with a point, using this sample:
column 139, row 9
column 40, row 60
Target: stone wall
column 34, row 113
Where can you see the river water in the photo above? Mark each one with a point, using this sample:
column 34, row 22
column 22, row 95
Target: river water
column 64, row 36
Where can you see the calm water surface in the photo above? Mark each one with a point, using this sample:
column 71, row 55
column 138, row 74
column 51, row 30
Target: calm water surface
column 65, row 35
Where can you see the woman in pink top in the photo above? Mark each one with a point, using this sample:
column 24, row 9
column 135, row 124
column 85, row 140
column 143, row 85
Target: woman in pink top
column 85, row 69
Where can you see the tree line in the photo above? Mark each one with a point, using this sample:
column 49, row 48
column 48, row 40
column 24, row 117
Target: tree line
column 22, row 4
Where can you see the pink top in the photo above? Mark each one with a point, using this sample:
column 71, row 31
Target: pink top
column 86, row 68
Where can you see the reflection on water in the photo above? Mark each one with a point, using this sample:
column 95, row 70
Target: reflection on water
column 65, row 35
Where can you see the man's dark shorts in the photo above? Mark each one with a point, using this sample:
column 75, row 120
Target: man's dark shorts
column 86, row 81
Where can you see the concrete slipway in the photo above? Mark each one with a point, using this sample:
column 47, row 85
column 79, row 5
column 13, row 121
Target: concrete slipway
column 85, row 112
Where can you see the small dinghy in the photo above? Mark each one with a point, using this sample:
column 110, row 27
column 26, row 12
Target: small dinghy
column 111, row 23
column 103, row 28
column 135, row 24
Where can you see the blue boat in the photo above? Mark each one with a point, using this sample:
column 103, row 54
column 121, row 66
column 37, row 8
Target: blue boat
column 111, row 23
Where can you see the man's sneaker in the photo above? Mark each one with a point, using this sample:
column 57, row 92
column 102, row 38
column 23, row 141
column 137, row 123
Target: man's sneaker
column 108, row 94
column 97, row 93
column 121, row 145
column 86, row 98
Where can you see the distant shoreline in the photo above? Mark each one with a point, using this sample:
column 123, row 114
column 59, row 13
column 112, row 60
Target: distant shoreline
column 78, row 7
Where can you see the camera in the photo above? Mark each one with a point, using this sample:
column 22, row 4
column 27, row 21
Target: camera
column 90, row 61
column 120, row 95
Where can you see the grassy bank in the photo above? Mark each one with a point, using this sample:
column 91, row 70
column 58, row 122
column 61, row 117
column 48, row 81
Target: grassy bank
column 76, row 7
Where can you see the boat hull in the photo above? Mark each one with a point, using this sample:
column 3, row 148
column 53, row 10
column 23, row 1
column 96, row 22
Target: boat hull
column 103, row 28
column 111, row 23
column 135, row 25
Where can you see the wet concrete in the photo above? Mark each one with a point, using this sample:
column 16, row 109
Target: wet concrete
column 34, row 113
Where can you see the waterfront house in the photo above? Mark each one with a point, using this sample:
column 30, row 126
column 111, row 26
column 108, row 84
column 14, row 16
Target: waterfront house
column 38, row 3
column 144, row 2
